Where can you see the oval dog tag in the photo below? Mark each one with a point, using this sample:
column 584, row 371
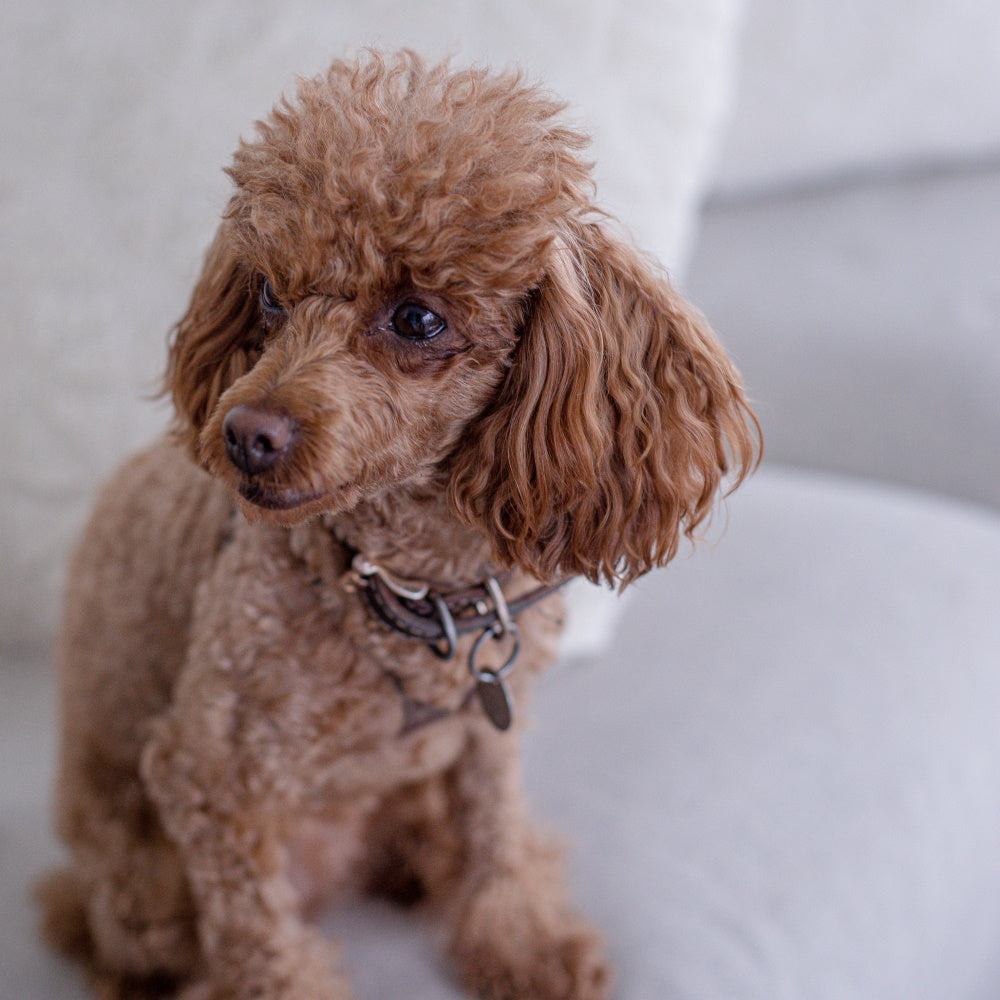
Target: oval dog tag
column 495, row 698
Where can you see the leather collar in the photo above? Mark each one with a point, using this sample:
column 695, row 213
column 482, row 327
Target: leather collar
column 420, row 610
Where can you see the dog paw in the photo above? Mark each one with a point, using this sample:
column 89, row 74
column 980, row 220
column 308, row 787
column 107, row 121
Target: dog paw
column 509, row 946
column 205, row 990
column 305, row 969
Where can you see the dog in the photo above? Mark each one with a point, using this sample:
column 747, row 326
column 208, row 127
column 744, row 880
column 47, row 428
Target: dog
column 420, row 383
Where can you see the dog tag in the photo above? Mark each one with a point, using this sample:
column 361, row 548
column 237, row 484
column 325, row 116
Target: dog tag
column 494, row 696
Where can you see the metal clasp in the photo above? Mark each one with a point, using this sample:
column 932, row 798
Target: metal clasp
column 411, row 590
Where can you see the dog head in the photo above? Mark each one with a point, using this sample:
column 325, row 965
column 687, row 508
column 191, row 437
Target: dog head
column 408, row 283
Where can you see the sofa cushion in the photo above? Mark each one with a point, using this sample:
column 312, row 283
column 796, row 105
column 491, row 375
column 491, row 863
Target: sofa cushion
column 869, row 345
column 829, row 89
column 785, row 782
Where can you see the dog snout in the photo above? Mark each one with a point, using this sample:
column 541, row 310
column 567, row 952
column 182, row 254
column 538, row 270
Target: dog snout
column 257, row 439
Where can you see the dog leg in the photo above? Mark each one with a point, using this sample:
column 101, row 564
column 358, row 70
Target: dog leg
column 514, row 933
column 122, row 907
column 255, row 944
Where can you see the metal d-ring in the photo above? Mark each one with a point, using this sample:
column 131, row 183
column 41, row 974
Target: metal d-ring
column 496, row 631
column 447, row 622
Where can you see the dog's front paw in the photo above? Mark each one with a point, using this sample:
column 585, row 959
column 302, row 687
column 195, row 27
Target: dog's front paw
column 207, row 990
column 512, row 945
column 303, row 969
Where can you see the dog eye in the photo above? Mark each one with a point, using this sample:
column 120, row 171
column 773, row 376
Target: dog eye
column 269, row 303
column 416, row 322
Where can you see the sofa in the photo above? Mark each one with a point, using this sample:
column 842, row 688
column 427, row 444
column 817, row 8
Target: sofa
column 777, row 760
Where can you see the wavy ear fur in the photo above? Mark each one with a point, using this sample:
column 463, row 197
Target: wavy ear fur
column 619, row 418
column 216, row 341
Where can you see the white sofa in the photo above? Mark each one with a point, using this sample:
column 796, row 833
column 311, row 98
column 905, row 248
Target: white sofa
column 781, row 774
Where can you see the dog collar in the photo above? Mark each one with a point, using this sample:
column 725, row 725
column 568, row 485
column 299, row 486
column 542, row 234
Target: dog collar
column 420, row 610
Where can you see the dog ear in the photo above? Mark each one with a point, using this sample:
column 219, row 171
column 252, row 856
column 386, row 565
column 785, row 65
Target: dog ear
column 216, row 341
column 619, row 418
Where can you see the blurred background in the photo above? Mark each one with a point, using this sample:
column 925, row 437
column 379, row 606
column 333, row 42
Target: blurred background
column 849, row 253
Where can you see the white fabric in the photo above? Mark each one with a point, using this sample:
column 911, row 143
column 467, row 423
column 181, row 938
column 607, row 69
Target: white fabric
column 117, row 119
column 833, row 87
column 781, row 784
column 865, row 323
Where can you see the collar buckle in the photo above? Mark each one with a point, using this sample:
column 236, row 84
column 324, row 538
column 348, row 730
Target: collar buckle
column 363, row 569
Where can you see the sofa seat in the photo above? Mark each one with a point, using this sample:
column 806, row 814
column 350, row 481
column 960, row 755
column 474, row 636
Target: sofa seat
column 781, row 781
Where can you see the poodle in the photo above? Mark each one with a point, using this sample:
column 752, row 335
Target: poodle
column 420, row 383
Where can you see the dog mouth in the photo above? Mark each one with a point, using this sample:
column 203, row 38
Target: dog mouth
column 270, row 499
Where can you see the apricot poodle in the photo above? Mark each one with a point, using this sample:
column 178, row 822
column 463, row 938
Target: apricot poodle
column 422, row 383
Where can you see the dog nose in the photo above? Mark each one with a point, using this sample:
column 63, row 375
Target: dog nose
column 256, row 439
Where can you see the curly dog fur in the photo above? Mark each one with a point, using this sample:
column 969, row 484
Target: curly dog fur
column 415, row 337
